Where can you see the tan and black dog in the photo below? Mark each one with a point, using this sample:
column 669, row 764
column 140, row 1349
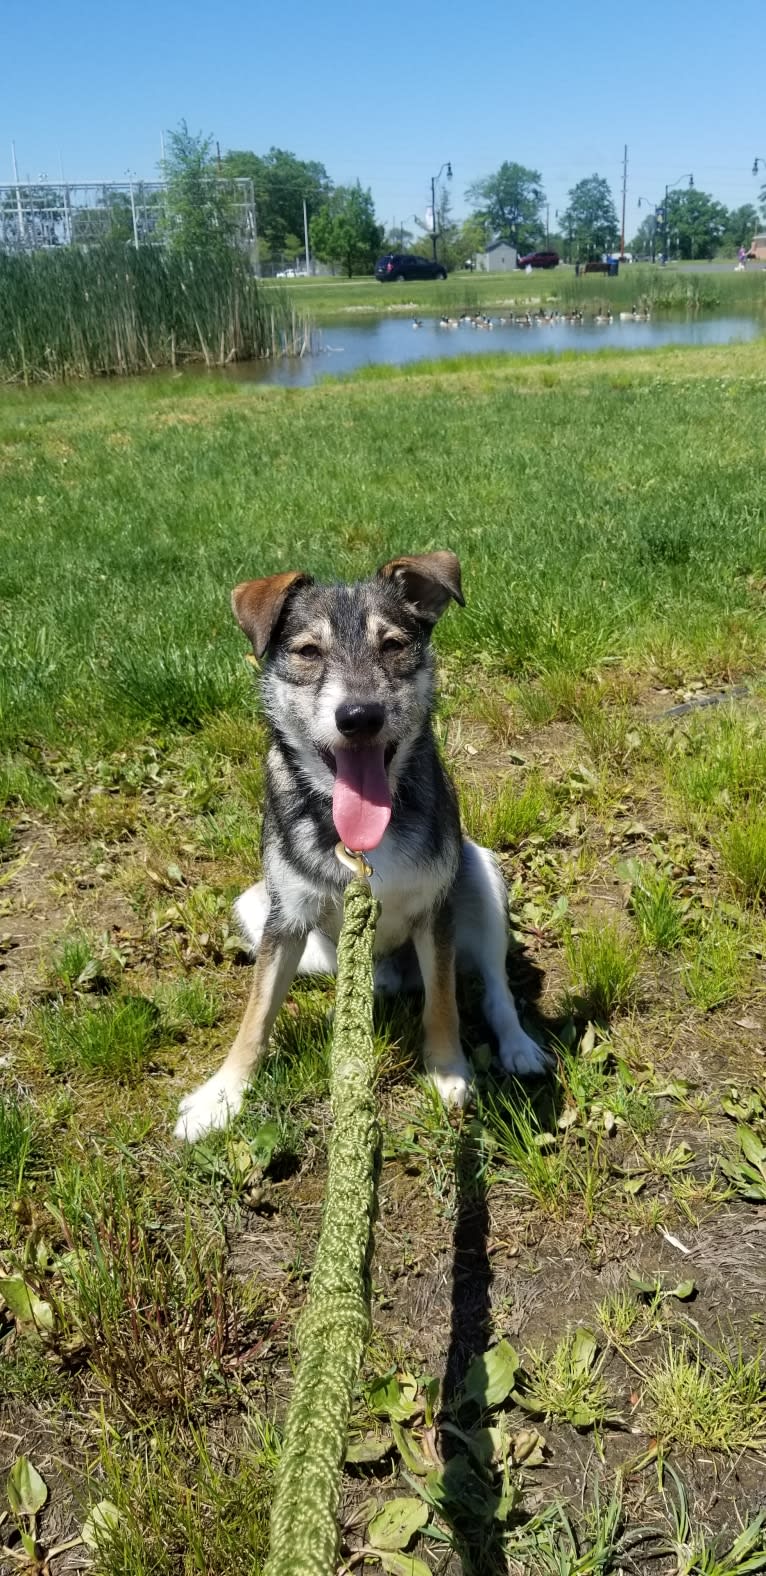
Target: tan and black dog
column 348, row 687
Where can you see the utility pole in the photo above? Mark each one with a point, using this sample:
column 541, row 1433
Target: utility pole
column 624, row 197
column 547, row 224
column 306, row 237
column 218, row 158
column 19, row 209
column 434, row 178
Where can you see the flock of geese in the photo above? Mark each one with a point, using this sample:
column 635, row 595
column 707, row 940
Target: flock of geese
column 540, row 319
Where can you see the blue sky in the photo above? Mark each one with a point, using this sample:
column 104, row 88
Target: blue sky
column 388, row 92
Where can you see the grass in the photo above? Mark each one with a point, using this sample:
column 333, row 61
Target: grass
column 659, row 288
column 604, row 964
column 504, row 817
column 113, row 1040
column 658, row 911
column 707, row 1399
column 125, row 637
column 75, row 312
column 743, row 850
column 608, row 515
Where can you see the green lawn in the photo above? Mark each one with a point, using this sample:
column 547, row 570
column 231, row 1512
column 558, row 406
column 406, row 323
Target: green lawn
column 609, row 513
column 662, row 288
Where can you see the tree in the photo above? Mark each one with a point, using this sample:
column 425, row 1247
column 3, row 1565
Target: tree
column 510, row 203
column 591, row 218
column 446, row 231
column 398, row 239
column 645, row 240
column 346, row 231
column 200, row 213
column 695, row 224
column 281, row 183
column 741, row 225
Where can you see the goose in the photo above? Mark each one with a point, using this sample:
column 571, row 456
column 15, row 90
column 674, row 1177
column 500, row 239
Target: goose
column 417, row 322
column 604, row 317
column 628, row 317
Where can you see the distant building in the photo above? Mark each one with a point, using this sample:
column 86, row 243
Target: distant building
column 758, row 249
column 499, row 258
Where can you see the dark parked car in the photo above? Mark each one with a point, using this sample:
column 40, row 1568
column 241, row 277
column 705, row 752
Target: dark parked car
column 539, row 260
column 395, row 267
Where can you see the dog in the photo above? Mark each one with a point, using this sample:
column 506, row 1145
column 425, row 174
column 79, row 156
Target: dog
column 348, row 690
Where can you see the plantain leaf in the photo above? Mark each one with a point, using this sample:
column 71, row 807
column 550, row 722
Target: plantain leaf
column 373, row 1447
column 26, row 1307
column 404, row 1565
column 100, row 1525
column 397, row 1523
column 27, row 1492
column 492, row 1375
column 584, row 1350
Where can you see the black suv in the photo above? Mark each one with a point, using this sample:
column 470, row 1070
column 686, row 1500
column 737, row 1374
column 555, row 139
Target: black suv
column 396, row 267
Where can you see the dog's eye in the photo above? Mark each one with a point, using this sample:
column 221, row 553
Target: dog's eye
column 309, row 651
column 392, row 643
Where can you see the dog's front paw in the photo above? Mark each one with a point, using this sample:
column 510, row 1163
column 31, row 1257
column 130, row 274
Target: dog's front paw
column 452, row 1080
column 211, row 1106
column 522, row 1055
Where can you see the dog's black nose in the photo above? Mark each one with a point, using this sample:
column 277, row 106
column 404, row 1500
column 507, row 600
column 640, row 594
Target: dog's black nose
column 357, row 717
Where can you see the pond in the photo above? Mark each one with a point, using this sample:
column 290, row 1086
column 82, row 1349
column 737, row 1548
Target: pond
column 345, row 346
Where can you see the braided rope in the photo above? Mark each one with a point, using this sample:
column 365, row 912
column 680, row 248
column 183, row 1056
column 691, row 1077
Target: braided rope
column 335, row 1324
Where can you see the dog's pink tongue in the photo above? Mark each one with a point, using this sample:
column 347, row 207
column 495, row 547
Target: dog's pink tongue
column 361, row 801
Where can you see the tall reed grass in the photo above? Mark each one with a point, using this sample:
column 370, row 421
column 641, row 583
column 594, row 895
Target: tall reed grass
column 110, row 309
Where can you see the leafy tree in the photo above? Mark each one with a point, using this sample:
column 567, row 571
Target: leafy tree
column 646, row 238
column 591, row 218
column 281, row 182
column 398, row 239
column 695, row 224
column 200, row 214
column 510, row 203
column 346, row 231
column 741, row 226
column 446, row 232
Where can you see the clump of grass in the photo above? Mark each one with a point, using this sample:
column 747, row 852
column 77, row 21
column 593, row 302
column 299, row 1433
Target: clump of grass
column 567, row 1384
column 504, row 817
column 21, row 784
column 174, row 685
column 188, row 1004
column 604, row 964
column 715, row 967
column 543, row 1165
column 76, row 966
column 722, row 764
column 708, row 1399
column 555, row 695
column 115, row 1039
column 148, row 1294
column 656, row 907
column 609, row 732
column 743, row 850
column 6, row 834
column 184, row 1504
column 17, row 1141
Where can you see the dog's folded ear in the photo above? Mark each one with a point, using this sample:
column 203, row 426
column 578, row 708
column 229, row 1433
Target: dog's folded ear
column 258, row 604
column 428, row 581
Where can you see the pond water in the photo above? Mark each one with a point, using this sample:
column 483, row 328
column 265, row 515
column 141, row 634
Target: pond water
column 345, row 346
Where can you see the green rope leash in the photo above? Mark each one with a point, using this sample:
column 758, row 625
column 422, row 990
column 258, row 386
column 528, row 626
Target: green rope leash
column 335, row 1324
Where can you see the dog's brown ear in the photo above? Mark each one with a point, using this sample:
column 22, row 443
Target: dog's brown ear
column 428, row 580
column 257, row 604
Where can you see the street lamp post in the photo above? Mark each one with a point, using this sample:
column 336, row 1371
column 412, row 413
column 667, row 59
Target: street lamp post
column 434, row 178
column 676, row 184
column 757, row 162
